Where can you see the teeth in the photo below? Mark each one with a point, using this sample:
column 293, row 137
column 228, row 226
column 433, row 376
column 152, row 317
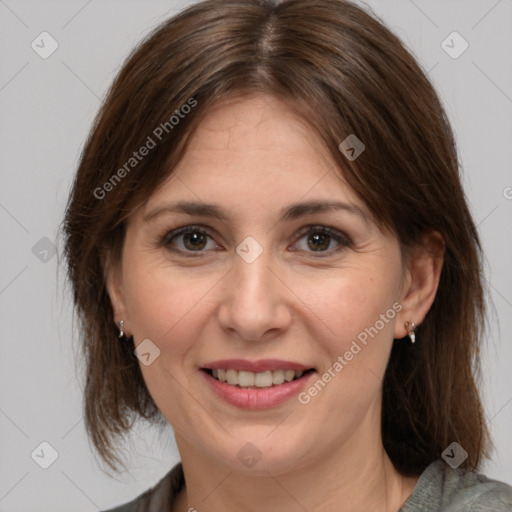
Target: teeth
column 232, row 376
column 260, row 380
column 263, row 379
column 245, row 378
column 278, row 377
column 288, row 375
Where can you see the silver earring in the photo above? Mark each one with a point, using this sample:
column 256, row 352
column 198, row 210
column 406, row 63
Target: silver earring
column 411, row 326
column 121, row 331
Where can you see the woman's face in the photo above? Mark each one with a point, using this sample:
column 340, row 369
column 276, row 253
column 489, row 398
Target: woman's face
column 267, row 277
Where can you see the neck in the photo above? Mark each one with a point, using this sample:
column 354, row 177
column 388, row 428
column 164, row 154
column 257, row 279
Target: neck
column 357, row 477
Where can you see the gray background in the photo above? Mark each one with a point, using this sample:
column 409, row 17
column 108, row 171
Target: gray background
column 47, row 106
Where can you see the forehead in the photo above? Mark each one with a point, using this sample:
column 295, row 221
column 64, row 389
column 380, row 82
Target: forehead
column 257, row 148
column 243, row 124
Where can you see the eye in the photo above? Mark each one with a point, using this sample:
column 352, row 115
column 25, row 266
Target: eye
column 189, row 239
column 322, row 239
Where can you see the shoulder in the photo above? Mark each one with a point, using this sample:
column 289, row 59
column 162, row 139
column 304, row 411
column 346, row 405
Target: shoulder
column 442, row 488
column 490, row 495
column 158, row 498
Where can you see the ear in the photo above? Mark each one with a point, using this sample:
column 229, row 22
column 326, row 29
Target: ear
column 113, row 274
column 422, row 274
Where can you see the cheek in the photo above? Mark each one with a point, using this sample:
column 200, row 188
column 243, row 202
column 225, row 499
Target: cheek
column 170, row 309
column 349, row 303
column 166, row 306
column 358, row 312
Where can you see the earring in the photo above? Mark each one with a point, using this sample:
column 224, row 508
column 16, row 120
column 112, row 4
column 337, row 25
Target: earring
column 121, row 331
column 411, row 326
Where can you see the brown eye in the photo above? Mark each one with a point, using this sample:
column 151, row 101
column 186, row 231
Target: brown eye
column 189, row 239
column 321, row 240
column 194, row 241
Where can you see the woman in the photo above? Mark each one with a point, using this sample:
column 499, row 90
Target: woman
column 270, row 250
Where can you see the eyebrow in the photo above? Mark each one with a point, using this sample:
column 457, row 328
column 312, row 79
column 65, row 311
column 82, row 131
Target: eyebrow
column 292, row 212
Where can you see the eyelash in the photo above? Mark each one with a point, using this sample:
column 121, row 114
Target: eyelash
column 339, row 237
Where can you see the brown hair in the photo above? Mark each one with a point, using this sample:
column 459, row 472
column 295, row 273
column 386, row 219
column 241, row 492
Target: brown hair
column 345, row 73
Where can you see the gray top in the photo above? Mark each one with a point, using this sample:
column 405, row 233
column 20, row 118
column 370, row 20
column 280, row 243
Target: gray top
column 439, row 489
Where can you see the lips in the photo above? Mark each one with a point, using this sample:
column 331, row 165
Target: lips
column 256, row 384
column 263, row 373
column 260, row 379
column 262, row 365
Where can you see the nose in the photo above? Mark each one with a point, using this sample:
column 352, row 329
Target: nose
column 256, row 305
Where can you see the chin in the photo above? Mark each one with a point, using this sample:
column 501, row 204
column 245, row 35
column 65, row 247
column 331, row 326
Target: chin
column 261, row 450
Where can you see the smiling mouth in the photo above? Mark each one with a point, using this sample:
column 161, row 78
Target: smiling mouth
column 266, row 379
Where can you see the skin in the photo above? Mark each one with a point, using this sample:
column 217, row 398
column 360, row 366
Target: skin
column 254, row 157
